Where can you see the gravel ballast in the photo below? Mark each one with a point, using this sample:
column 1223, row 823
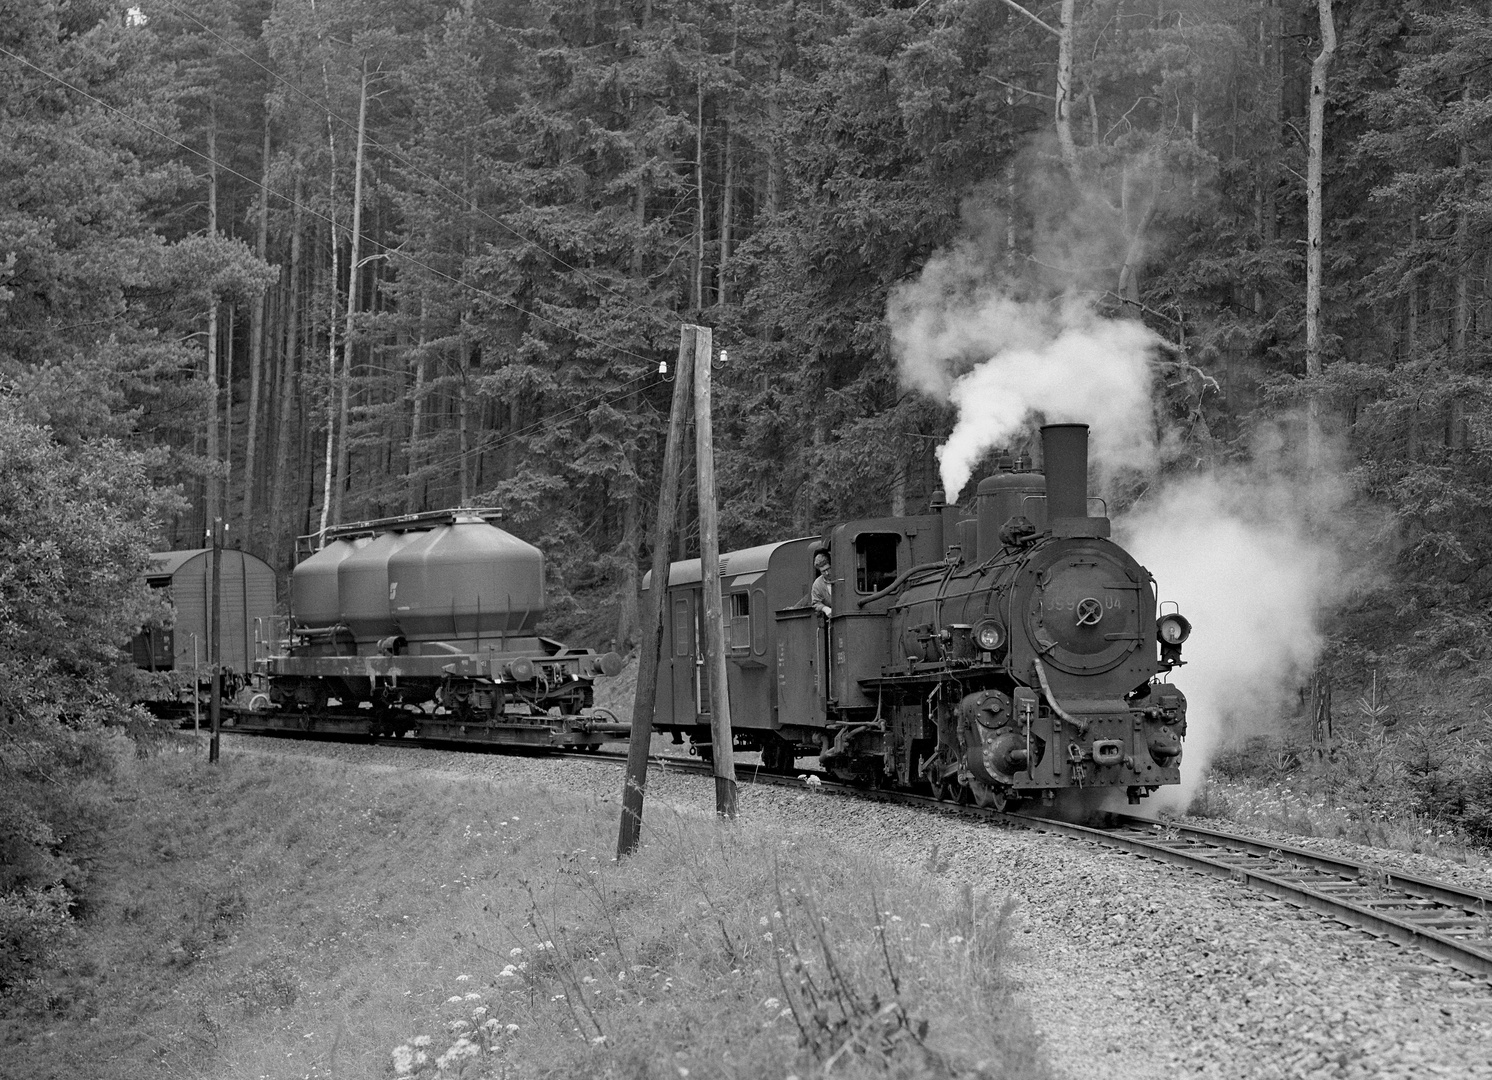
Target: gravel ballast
column 1131, row 968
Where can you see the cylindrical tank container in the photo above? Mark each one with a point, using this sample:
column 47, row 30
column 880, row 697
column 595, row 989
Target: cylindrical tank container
column 466, row 580
column 1004, row 496
column 363, row 584
column 314, row 599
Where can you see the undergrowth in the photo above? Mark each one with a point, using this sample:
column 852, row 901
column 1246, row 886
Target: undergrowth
column 1413, row 786
column 301, row 918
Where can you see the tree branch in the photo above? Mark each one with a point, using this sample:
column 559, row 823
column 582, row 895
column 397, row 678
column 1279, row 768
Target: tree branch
column 1016, row 7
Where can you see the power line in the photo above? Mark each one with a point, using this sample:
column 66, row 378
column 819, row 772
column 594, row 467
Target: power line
column 347, row 124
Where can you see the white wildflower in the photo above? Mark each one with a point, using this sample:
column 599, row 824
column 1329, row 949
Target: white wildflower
column 588, row 980
column 515, row 952
column 956, row 939
column 472, row 997
column 479, row 1012
column 507, row 972
column 454, row 1000
column 403, row 1060
column 511, row 1028
column 462, row 978
column 421, row 1040
column 771, row 1003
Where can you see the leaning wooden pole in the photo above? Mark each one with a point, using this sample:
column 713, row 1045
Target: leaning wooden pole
column 709, row 571
column 650, row 635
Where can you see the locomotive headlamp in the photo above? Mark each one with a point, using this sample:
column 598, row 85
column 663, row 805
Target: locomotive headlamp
column 990, row 635
column 1172, row 629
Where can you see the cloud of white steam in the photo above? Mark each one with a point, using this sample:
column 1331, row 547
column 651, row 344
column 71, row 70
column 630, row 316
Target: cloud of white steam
column 1252, row 557
column 1001, row 361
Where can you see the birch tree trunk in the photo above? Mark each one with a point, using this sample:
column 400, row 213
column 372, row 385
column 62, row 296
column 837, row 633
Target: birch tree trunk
column 1319, row 68
column 1063, row 113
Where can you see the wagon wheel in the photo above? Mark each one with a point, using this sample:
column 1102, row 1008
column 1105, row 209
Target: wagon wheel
column 777, row 755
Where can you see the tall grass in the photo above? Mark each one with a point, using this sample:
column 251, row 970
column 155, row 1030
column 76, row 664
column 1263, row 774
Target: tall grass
column 289, row 918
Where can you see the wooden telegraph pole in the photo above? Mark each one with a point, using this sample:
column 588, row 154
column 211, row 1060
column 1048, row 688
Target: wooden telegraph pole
column 709, row 571
column 215, row 638
column 650, row 640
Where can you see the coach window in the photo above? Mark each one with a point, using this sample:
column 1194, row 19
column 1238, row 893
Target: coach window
column 875, row 560
column 740, row 622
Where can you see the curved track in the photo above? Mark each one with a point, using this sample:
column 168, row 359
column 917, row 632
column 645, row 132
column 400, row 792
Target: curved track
column 1452, row 923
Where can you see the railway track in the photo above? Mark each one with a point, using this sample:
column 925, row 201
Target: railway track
column 1451, row 923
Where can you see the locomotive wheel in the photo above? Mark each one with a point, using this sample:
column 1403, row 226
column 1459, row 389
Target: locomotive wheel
column 985, row 796
column 941, row 790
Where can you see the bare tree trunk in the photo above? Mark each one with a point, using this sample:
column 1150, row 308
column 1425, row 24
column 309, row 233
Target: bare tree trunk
column 1271, row 59
column 210, row 512
column 1063, row 113
column 256, row 342
column 283, row 487
column 1319, row 70
column 462, row 436
column 417, row 414
column 727, row 209
column 331, row 380
column 1411, row 330
column 226, row 493
column 354, row 282
column 699, row 190
column 1464, row 255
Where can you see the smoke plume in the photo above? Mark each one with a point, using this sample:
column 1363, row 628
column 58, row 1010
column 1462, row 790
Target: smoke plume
column 1252, row 555
column 1002, row 362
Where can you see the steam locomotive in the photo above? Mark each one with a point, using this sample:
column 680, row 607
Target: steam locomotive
column 1001, row 655
column 425, row 624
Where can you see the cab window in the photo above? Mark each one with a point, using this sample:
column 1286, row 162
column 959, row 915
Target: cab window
column 875, row 560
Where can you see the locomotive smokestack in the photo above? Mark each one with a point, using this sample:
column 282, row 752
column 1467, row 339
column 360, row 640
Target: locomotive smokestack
column 1064, row 452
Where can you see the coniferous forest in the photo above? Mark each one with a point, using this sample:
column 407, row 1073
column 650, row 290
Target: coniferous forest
column 298, row 262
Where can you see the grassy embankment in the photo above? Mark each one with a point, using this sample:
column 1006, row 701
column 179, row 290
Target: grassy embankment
column 273, row 918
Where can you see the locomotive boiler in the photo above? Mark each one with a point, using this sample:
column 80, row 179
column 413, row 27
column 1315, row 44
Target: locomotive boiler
column 426, row 624
column 1003, row 653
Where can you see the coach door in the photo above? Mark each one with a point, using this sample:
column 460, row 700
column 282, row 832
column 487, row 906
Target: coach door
column 688, row 659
